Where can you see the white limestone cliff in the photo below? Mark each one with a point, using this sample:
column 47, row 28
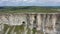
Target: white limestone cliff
column 43, row 22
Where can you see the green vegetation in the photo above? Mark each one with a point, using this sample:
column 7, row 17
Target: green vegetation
column 17, row 29
column 6, row 27
column 28, row 32
column 29, row 9
column 34, row 31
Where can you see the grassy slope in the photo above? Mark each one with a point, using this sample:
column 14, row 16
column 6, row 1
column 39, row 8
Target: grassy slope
column 17, row 28
column 29, row 9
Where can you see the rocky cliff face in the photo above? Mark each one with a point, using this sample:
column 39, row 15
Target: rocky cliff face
column 33, row 23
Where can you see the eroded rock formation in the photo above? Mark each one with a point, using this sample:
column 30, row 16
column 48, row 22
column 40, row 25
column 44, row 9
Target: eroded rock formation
column 33, row 23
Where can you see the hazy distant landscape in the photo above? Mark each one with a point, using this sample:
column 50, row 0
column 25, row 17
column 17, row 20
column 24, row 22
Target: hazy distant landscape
column 30, row 9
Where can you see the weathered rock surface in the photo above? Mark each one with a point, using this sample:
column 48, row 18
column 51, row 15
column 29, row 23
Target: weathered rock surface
column 42, row 23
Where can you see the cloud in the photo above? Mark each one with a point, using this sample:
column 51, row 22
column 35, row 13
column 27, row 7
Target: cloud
column 41, row 1
column 30, row 2
column 3, row 0
column 54, row 0
column 18, row 0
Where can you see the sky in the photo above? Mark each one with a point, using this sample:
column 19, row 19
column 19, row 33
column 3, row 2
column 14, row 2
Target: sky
column 29, row 2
